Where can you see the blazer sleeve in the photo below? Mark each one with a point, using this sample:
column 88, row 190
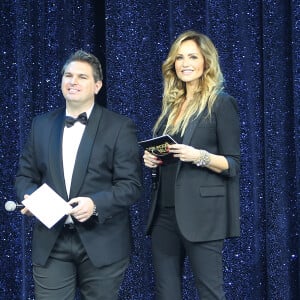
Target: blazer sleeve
column 228, row 131
column 28, row 177
column 126, row 184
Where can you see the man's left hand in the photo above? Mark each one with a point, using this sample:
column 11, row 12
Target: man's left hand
column 83, row 208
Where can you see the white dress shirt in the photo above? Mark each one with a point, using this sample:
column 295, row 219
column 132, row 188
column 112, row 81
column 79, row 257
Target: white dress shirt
column 70, row 144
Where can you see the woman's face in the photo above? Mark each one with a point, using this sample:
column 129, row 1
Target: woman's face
column 189, row 62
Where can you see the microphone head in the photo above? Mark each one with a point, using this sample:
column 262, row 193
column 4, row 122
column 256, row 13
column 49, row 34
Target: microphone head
column 10, row 205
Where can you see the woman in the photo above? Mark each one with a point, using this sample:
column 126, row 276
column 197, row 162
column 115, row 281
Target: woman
column 196, row 203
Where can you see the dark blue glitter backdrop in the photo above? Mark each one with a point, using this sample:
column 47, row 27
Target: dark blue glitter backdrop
column 36, row 38
column 259, row 47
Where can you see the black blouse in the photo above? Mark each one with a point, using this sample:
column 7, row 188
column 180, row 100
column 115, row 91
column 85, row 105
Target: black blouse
column 166, row 194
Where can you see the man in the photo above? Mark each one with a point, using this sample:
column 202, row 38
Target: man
column 95, row 166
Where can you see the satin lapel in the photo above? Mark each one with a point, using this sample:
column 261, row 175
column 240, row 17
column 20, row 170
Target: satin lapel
column 55, row 155
column 84, row 151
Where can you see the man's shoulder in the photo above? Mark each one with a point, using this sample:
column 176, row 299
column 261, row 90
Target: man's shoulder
column 111, row 115
column 50, row 114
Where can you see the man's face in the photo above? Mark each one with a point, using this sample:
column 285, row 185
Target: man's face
column 78, row 85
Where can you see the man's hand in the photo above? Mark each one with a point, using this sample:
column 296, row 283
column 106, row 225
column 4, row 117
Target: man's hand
column 83, row 208
column 25, row 210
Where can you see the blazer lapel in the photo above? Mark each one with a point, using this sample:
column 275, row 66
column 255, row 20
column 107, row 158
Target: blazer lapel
column 163, row 121
column 190, row 130
column 84, row 151
column 55, row 155
column 188, row 135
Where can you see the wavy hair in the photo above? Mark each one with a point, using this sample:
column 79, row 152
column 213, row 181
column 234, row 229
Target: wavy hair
column 209, row 86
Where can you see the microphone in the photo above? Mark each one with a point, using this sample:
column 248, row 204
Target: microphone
column 11, row 206
column 154, row 178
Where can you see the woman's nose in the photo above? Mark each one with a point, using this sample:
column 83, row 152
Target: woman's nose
column 184, row 62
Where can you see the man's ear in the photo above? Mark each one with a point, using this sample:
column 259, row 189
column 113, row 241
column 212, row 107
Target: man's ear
column 98, row 86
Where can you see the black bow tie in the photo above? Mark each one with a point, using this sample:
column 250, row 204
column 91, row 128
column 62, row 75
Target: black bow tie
column 70, row 121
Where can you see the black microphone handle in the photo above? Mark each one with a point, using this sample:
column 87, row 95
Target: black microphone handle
column 12, row 206
column 154, row 178
column 19, row 205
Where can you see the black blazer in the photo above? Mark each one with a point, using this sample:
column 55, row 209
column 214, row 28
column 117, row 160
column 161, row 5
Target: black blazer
column 207, row 203
column 107, row 169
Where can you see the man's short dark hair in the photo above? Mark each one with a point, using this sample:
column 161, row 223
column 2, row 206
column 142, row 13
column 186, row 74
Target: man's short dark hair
column 89, row 58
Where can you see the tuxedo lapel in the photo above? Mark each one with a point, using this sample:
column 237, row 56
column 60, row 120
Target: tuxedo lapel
column 55, row 155
column 84, row 151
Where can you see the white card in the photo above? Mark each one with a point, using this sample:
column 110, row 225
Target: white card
column 47, row 205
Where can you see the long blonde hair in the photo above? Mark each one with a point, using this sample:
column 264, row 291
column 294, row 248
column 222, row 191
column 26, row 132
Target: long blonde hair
column 210, row 84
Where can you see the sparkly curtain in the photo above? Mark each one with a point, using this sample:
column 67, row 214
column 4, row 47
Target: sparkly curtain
column 259, row 47
column 258, row 43
column 36, row 38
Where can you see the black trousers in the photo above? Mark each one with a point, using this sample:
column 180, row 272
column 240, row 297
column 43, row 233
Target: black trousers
column 169, row 249
column 69, row 268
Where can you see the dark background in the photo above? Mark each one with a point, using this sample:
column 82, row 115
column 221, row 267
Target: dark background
column 259, row 48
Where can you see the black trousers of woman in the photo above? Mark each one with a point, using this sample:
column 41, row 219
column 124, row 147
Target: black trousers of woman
column 169, row 249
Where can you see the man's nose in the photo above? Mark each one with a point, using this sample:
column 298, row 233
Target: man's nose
column 74, row 80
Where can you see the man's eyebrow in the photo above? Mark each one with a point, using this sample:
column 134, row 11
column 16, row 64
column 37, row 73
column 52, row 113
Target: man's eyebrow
column 79, row 74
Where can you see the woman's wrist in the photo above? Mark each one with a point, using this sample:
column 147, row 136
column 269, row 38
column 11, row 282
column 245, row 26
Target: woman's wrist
column 203, row 159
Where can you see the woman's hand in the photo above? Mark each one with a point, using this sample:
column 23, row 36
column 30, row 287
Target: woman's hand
column 150, row 160
column 217, row 163
column 184, row 152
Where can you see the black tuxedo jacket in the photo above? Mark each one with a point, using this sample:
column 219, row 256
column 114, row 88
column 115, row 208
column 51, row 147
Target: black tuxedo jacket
column 207, row 203
column 107, row 169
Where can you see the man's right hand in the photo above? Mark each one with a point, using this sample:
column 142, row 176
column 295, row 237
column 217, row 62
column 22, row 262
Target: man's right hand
column 25, row 210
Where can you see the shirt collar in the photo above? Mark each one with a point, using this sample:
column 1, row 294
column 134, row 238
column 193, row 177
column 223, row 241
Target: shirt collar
column 88, row 112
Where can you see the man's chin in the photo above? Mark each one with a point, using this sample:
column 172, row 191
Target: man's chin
column 73, row 100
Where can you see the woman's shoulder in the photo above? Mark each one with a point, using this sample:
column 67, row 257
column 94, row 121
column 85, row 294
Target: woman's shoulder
column 224, row 100
column 224, row 96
